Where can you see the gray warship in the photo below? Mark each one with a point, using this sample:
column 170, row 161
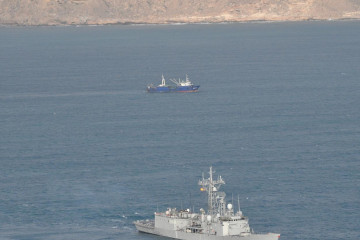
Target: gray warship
column 220, row 222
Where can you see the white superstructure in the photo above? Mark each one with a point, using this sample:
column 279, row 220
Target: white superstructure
column 182, row 82
column 219, row 222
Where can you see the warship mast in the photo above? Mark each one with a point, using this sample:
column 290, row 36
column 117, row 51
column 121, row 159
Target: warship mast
column 216, row 204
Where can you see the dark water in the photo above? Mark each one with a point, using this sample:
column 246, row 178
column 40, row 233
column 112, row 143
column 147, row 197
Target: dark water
column 85, row 151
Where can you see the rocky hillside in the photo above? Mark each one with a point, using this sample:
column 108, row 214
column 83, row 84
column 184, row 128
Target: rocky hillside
column 55, row 12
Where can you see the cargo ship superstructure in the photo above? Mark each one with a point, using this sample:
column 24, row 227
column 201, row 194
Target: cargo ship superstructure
column 220, row 222
column 180, row 86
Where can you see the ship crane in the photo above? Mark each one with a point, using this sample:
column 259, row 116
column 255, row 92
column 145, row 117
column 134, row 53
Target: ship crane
column 176, row 82
column 163, row 83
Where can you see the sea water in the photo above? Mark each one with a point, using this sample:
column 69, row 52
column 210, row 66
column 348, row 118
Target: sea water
column 85, row 150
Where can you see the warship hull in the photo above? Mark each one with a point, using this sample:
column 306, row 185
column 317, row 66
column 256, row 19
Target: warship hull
column 149, row 227
column 220, row 222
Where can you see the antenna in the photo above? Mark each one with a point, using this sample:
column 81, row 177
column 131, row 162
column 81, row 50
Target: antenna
column 238, row 203
column 190, row 198
column 215, row 198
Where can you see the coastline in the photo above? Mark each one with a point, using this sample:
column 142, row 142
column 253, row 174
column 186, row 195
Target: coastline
column 174, row 23
column 146, row 12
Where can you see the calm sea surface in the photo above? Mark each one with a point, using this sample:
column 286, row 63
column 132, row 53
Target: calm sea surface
column 85, row 151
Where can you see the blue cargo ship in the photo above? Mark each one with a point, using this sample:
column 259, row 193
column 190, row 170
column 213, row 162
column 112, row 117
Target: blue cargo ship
column 180, row 86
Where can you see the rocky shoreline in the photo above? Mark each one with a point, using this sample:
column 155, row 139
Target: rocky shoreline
column 133, row 12
column 180, row 23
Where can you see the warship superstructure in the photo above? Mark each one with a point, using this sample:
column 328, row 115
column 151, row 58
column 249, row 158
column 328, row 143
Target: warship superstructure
column 220, row 222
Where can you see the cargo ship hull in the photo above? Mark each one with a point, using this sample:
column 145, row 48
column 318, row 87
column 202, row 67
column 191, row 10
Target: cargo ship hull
column 169, row 89
column 180, row 86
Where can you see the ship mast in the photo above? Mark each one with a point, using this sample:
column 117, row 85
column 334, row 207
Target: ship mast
column 216, row 203
column 163, row 83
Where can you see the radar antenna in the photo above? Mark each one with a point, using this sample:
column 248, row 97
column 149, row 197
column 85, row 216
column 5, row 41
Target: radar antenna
column 216, row 199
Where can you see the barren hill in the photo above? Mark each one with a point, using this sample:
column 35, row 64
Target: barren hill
column 55, row 12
